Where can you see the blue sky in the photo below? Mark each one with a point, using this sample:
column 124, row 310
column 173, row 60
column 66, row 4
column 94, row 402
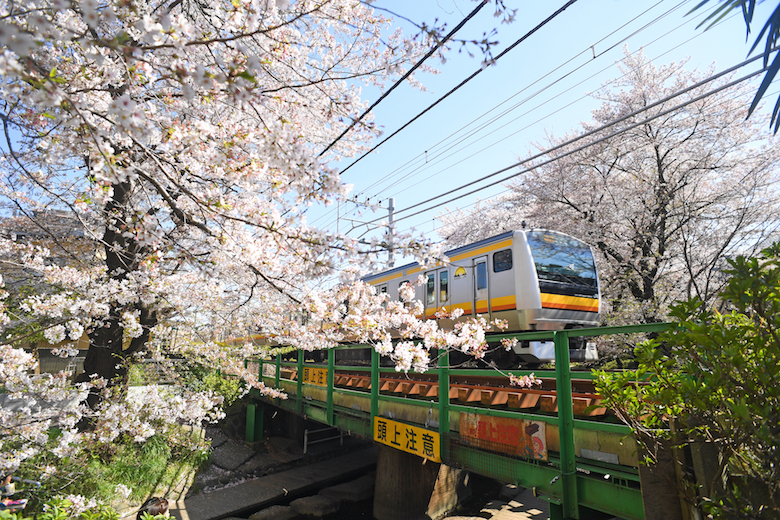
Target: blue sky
column 560, row 52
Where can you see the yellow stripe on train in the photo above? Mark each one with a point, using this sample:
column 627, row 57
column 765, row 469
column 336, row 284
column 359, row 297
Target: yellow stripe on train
column 467, row 254
column 549, row 301
column 429, row 313
column 572, row 303
column 386, row 278
column 503, row 303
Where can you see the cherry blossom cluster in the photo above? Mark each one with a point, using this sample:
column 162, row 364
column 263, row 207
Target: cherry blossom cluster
column 35, row 403
column 528, row 381
column 357, row 313
column 181, row 144
column 27, row 413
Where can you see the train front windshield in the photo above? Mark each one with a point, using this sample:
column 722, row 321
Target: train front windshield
column 563, row 262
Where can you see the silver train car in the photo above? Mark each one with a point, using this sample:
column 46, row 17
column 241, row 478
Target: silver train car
column 535, row 279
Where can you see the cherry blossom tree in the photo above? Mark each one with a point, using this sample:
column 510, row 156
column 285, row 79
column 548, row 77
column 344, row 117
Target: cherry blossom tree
column 664, row 201
column 184, row 139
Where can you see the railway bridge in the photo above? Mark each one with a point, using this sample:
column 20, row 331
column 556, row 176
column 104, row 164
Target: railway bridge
column 554, row 439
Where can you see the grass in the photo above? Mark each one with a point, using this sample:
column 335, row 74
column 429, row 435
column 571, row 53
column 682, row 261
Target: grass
column 153, row 468
column 156, row 467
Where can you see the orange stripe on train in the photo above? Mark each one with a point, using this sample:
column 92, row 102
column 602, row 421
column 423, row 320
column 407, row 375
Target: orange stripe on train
column 572, row 303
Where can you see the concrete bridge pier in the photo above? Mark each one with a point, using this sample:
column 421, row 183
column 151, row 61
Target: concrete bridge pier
column 408, row 487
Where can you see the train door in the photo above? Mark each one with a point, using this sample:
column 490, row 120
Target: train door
column 382, row 289
column 430, row 294
column 437, row 291
column 444, row 296
column 481, row 286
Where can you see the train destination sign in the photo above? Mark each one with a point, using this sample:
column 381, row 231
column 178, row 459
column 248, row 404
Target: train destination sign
column 315, row 376
column 512, row 436
column 411, row 439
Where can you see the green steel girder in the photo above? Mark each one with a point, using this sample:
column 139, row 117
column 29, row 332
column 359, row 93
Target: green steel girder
column 603, row 426
column 570, row 504
column 593, row 492
column 299, row 381
column 314, row 412
column 354, row 424
column 444, row 401
column 608, row 497
column 545, row 479
column 331, row 374
column 571, row 484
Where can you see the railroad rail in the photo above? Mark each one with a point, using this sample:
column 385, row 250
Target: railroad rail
column 493, row 391
column 555, row 438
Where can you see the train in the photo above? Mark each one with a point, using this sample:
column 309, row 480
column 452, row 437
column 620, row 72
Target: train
column 535, row 279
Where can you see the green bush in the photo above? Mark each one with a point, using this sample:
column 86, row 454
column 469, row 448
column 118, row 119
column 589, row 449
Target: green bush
column 714, row 379
column 199, row 378
column 158, row 463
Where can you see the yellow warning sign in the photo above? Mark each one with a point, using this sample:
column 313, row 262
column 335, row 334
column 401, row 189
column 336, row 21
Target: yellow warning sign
column 315, row 376
column 411, row 439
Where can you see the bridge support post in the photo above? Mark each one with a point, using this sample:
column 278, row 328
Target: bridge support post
column 331, row 376
column 569, row 507
column 660, row 482
column 254, row 422
column 408, row 487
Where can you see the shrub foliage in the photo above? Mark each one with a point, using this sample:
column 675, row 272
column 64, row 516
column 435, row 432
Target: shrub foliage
column 711, row 384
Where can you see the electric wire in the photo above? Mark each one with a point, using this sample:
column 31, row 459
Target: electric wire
column 462, row 83
column 543, row 163
column 496, row 200
column 548, row 151
column 430, row 161
column 406, row 75
column 585, row 135
column 529, row 125
column 484, row 125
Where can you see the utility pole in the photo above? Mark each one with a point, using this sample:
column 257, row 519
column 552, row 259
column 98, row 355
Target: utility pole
column 390, row 234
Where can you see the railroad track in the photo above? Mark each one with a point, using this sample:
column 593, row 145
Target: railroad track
column 494, row 392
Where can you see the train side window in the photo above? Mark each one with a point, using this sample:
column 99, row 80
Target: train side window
column 443, row 285
column 482, row 276
column 430, row 290
column 502, row 260
column 383, row 290
column 400, row 286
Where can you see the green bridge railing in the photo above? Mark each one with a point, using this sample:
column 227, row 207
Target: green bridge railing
column 573, row 483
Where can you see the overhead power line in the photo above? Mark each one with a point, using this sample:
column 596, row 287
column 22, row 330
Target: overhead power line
column 472, row 76
column 458, row 146
column 583, row 136
column 496, row 199
column 440, row 155
column 408, row 73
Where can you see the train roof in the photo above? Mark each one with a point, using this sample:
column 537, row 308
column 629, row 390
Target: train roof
column 451, row 252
